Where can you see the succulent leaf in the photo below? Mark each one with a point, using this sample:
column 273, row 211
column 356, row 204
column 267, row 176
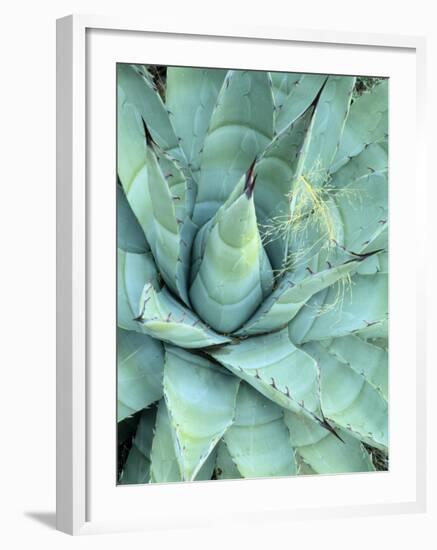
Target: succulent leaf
column 276, row 171
column 300, row 96
column 234, row 273
column 130, row 236
column 137, row 467
column 225, row 467
column 163, row 462
column 362, row 207
column 133, row 272
column 258, row 441
column 148, row 151
column 164, row 465
column 329, row 118
column 181, row 184
column 379, row 343
column 206, row 471
column 373, row 158
column 335, row 312
column 376, row 263
column 303, row 469
column 200, row 399
column 140, row 361
column 283, row 84
column 307, row 232
column 153, row 201
column 138, row 101
column 322, row 451
column 240, row 128
column 349, row 400
column 277, row 369
column 198, row 249
column 190, row 98
column 163, row 317
column 173, row 235
column 367, row 123
column 289, row 297
column 366, row 359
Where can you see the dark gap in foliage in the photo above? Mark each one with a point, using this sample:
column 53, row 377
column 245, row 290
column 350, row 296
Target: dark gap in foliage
column 364, row 84
column 380, row 460
column 125, row 433
column 159, row 75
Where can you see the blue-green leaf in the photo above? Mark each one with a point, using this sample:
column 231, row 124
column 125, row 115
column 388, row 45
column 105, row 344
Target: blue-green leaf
column 133, row 272
column 225, row 467
column 200, row 399
column 164, row 465
column 301, row 94
column 137, row 467
column 160, row 193
column 163, row 317
column 140, row 364
column 130, row 236
column 367, row 123
column 323, row 451
column 138, row 101
column 366, row 359
column 276, row 172
column 363, row 209
column 376, row 263
column 191, row 95
column 339, row 311
column 283, row 84
column 157, row 203
column 241, row 126
column 276, row 368
column 373, row 158
column 349, row 401
column 258, row 441
column 233, row 271
column 329, row 119
column 290, row 295
column 163, row 462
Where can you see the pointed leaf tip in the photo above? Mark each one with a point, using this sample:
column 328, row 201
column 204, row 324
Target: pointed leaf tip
column 149, row 139
column 330, row 429
column 250, row 179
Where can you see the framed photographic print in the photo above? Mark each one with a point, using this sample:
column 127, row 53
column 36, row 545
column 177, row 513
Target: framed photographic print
column 234, row 324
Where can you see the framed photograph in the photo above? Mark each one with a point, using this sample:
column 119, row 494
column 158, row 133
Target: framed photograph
column 237, row 331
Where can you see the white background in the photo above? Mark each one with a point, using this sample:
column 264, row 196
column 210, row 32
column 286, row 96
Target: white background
column 27, row 218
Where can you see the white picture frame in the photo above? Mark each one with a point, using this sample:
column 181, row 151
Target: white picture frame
column 82, row 486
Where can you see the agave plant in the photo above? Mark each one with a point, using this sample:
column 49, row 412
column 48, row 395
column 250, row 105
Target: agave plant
column 252, row 274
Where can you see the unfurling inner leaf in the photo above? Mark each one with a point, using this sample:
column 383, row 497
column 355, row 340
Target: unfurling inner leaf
column 233, row 274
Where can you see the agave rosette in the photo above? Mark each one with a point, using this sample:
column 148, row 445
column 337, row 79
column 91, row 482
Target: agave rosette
column 252, row 275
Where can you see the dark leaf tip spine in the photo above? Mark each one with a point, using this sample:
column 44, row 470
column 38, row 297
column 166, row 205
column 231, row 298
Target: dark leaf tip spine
column 149, row 139
column 250, row 180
